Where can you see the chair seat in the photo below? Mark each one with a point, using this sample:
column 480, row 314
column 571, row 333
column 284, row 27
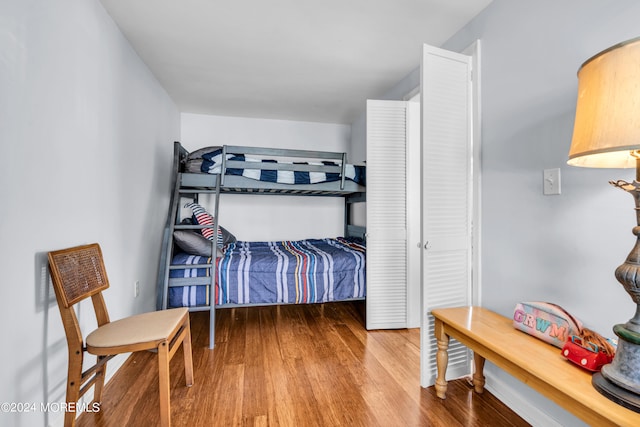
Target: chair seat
column 142, row 328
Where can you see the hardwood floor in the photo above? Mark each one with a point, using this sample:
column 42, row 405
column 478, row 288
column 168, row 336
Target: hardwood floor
column 295, row 365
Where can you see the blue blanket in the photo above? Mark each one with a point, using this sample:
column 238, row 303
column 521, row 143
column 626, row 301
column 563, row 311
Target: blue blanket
column 212, row 163
column 286, row 272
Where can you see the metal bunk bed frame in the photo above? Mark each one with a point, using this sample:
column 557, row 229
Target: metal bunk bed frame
column 191, row 185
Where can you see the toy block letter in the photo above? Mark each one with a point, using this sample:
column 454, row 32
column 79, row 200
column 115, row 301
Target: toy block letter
column 558, row 332
column 542, row 324
column 530, row 321
column 518, row 316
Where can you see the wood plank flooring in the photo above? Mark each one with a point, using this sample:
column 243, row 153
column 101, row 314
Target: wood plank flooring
column 295, row 365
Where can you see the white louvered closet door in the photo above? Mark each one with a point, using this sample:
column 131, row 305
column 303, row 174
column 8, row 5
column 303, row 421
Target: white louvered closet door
column 446, row 199
column 386, row 215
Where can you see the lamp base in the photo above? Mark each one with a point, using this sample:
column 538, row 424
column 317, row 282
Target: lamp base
column 620, row 380
column 617, row 394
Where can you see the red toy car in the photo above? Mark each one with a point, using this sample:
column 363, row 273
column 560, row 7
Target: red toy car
column 586, row 354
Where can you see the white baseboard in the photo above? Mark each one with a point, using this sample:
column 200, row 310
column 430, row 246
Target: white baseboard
column 510, row 397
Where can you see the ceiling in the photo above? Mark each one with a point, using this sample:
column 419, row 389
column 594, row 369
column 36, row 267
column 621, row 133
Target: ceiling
column 301, row 60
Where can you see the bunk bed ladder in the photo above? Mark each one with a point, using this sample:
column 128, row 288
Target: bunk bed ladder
column 214, row 266
column 164, row 281
column 167, row 235
column 178, row 195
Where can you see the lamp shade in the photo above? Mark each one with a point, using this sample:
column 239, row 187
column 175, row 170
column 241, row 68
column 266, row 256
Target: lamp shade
column 606, row 132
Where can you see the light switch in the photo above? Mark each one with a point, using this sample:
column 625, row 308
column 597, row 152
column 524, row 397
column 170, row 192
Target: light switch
column 551, row 181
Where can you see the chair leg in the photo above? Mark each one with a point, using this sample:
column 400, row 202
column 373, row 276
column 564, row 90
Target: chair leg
column 165, row 391
column 99, row 384
column 74, row 382
column 188, row 359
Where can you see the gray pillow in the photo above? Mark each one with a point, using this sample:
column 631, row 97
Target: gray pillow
column 198, row 153
column 193, row 166
column 226, row 236
column 192, row 242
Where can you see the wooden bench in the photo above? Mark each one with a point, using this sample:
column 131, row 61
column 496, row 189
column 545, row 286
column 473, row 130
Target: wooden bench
column 540, row 365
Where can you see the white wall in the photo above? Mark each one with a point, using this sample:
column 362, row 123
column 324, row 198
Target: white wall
column 567, row 246
column 261, row 218
column 562, row 248
column 549, row 248
column 86, row 134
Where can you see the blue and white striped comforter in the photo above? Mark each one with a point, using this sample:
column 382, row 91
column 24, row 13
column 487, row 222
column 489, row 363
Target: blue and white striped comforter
column 286, row 272
column 212, row 163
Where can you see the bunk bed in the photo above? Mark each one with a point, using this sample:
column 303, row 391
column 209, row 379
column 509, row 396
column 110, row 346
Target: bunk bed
column 202, row 265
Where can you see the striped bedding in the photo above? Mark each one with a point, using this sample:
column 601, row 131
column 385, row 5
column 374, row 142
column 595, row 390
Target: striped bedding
column 285, row 272
column 212, row 164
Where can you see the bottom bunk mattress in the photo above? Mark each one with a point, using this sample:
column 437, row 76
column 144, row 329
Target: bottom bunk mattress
column 284, row 272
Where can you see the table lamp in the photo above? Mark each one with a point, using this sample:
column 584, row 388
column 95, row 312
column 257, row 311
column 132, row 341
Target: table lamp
column 607, row 135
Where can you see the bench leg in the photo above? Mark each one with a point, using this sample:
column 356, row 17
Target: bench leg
column 478, row 375
column 442, row 359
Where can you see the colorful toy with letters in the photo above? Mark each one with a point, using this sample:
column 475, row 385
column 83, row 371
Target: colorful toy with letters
column 554, row 325
column 546, row 321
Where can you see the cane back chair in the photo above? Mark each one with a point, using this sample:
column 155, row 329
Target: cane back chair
column 78, row 273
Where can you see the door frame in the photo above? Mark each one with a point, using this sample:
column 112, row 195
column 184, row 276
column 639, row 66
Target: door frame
column 474, row 51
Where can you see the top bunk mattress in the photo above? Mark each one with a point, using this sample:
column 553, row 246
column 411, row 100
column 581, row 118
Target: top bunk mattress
column 255, row 169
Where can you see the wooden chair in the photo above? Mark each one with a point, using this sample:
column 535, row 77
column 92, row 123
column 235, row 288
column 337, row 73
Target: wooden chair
column 79, row 273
